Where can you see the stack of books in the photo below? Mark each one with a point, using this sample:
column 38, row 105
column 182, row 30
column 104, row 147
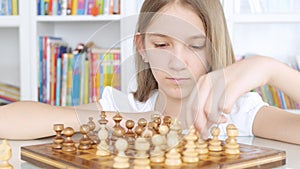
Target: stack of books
column 69, row 78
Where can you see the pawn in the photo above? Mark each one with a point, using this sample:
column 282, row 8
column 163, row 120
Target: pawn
column 118, row 130
column 103, row 147
column 231, row 146
column 201, row 148
column 141, row 160
column 167, row 121
column 163, row 131
column 173, row 158
column 130, row 135
column 121, row 160
column 141, row 127
column 190, row 154
column 85, row 141
column 157, row 154
column 91, row 133
column 215, row 146
column 68, row 144
column 58, row 139
column 5, row 155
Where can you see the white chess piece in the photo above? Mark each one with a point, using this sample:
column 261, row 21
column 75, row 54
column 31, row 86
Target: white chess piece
column 5, row 155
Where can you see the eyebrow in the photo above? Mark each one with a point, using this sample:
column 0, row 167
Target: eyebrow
column 166, row 36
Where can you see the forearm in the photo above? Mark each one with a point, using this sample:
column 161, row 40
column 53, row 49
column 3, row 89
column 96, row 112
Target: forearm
column 286, row 79
column 31, row 120
column 276, row 124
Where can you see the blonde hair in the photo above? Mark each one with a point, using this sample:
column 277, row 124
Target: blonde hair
column 212, row 16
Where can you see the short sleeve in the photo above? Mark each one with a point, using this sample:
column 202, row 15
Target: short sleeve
column 243, row 113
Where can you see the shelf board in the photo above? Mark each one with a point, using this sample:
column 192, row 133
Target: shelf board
column 9, row 21
column 266, row 18
column 78, row 18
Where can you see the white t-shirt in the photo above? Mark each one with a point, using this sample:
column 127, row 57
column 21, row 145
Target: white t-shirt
column 242, row 115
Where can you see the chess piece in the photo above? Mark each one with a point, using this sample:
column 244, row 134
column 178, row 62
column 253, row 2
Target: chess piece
column 215, row 147
column 201, row 148
column 173, row 158
column 157, row 154
column 141, row 160
column 130, row 135
column 91, row 133
column 141, row 127
column 5, row 155
column 163, row 130
column 103, row 147
column 167, row 121
column 190, row 154
column 85, row 141
column 121, row 160
column 231, row 146
column 118, row 130
column 68, row 144
column 58, row 139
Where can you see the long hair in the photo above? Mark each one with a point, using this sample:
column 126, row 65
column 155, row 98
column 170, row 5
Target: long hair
column 211, row 14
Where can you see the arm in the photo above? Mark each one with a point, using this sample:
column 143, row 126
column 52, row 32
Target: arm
column 31, row 120
column 276, row 124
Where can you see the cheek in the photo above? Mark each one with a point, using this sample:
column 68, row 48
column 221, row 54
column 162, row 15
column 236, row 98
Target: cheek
column 158, row 60
column 199, row 64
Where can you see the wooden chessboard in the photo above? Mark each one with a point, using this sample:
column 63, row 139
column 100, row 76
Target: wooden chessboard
column 251, row 157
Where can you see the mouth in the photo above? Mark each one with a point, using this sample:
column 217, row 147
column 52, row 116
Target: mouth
column 178, row 80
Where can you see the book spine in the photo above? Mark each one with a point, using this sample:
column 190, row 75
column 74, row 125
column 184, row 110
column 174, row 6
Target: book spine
column 58, row 81
column 41, row 73
column 15, row 7
column 80, row 9
column 69, row 80
column 74, row 7
column 76, row 80
column 54, row 7
column 64, row 79
column 86, row 82
column 64, row 6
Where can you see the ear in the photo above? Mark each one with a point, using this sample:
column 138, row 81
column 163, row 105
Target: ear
column 138, row 41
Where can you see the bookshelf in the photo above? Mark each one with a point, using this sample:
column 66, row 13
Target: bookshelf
column 107, row 31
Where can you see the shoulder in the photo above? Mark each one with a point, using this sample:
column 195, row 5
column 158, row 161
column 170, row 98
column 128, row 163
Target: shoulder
column 115, row 100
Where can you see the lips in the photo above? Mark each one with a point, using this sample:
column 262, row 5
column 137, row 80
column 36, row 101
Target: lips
column 178, row 80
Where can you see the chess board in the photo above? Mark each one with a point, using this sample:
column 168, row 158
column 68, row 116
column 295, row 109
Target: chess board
column 251, row 157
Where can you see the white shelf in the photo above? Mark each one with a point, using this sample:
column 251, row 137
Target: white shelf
column 78, row 18
column 266, row 18
column 9, row 21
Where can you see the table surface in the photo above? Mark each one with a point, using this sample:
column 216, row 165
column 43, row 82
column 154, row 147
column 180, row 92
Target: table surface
column 292, row 151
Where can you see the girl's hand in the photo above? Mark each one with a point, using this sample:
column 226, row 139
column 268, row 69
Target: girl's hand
column 217, row 91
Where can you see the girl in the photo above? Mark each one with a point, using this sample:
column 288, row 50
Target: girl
column 186, row 69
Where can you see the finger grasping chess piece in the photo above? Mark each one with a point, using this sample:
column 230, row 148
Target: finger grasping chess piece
column 68, row 144
column 5, row 155
column 231, row 146
column 58, row 139
column 85, row 141
column 121, row 160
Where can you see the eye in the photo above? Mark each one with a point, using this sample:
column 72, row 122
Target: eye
column 161, row 45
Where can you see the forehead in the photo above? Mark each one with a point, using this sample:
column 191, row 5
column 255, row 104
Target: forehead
column 177, row 22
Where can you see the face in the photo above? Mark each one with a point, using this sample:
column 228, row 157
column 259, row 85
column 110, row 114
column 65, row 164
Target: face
column 175, row 47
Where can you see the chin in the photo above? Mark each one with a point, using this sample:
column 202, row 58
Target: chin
column 177, row 93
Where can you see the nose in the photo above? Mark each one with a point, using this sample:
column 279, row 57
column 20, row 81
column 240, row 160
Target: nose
column 177, row 61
